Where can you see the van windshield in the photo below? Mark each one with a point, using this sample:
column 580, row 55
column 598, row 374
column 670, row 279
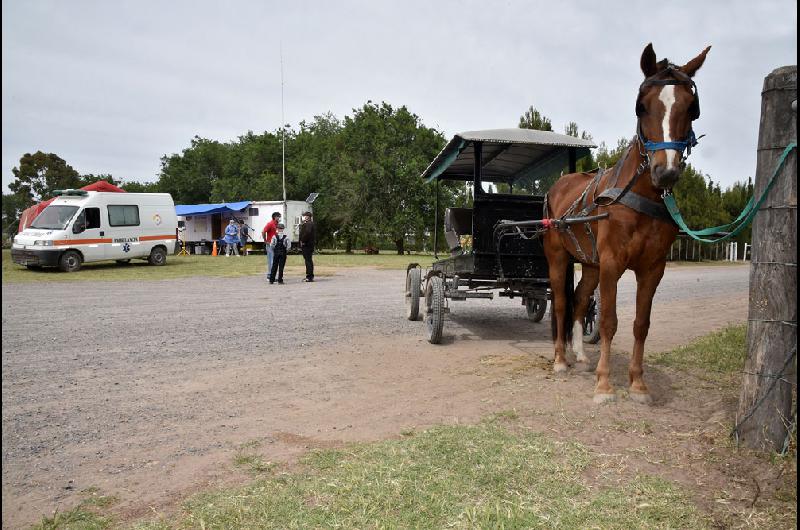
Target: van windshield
column 54, row 217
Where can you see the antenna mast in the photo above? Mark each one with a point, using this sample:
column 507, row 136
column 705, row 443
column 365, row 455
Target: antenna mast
column 283, row 134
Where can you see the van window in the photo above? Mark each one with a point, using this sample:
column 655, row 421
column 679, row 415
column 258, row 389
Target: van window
column 253, row 212
column 54, row 217
column 181, row 224
column 92, row 218
column 123, row 215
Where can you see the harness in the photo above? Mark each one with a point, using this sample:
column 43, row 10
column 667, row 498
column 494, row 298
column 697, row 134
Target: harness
column 589, row 200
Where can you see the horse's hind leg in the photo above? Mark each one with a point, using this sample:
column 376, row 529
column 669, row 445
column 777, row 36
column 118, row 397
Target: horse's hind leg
column 646, row 284
column 590, row 276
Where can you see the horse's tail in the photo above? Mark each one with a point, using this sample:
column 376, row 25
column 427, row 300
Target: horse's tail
column 569, row 310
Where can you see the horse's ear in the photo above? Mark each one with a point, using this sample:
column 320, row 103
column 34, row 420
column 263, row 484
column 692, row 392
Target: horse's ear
column 694, row 65
column 648, row 61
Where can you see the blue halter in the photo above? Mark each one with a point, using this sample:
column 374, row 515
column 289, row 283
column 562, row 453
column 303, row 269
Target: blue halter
column 681, row 146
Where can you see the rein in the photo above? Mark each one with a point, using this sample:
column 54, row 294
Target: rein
column 744, row 218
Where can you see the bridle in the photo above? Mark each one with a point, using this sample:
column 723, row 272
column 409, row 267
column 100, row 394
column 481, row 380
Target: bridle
column 694, row 113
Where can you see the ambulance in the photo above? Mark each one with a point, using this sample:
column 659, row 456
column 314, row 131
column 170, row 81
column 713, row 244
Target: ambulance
column 86, row 226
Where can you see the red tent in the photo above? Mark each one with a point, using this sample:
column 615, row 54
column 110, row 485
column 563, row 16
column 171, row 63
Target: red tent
column 30, row 214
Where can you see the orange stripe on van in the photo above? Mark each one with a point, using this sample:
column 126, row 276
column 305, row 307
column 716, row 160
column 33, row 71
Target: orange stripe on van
column 153, row 238
column 80, row 241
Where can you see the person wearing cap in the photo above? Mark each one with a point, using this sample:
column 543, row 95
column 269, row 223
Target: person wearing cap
column 280, row 245
column 307, row 240
column 232, row 237
column 267, row 234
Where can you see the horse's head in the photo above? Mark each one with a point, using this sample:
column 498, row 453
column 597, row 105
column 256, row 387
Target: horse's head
column 667, row 104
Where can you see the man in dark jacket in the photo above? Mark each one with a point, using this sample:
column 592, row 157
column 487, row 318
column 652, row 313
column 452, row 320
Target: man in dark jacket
column 307, row 240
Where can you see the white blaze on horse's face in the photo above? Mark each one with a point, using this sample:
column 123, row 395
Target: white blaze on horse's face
column 667, row 97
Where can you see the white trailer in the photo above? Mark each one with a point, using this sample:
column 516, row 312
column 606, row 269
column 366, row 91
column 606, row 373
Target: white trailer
column 202, row 224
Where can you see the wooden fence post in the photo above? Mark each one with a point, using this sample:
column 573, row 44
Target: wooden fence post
column 766, row 398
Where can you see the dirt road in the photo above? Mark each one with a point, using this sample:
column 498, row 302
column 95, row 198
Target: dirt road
column 145, row 390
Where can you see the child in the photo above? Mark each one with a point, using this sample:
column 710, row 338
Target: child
column 280, row 245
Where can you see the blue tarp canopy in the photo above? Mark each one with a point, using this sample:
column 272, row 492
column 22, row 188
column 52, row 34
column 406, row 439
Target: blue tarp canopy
column 208, row 209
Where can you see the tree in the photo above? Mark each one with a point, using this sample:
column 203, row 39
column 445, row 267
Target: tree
column 13, row 205
column 386, row 151
column 140, row 187
column 586, row 163
column 190, row 176
column 606, row 157
column 39, row 174
column 533, row 119
column 91, row 179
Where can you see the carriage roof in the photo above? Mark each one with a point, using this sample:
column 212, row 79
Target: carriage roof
column 508, row 155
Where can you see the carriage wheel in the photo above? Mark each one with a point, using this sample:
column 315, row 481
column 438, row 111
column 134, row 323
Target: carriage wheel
column 413, row 290
column 536, row 308
column 434, row 309
column 591, row 322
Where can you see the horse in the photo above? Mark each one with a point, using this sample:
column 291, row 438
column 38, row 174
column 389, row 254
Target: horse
column 634, row 230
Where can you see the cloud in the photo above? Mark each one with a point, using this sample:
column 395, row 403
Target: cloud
column 113, row 86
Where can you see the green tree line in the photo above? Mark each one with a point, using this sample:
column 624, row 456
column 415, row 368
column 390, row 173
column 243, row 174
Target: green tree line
column 366, row 168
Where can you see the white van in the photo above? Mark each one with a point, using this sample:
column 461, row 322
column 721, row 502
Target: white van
column 85, row 226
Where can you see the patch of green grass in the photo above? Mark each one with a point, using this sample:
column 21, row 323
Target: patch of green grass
column 83, row 516
column 482, row 476
column 253, row 463
column 212, row 266
column 76, row 519
column 722, row 352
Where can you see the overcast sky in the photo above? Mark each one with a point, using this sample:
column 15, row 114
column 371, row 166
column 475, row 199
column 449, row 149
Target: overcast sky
column 112, row 86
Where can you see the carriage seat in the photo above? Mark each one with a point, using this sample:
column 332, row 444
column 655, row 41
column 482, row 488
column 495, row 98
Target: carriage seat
column 457, row 222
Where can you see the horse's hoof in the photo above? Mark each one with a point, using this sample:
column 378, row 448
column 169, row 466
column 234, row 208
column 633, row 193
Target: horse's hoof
column 559, row 368
column 582, row 366
column 638, row 397
column 599, row 399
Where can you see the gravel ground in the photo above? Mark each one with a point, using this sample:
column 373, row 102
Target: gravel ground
column 125, row 385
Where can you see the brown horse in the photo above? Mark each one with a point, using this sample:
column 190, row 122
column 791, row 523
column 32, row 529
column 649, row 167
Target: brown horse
column 637, row 232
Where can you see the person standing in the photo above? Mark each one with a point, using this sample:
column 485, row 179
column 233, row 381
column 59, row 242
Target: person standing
column 232, row 237
column 244, row 233
column 267, row 234
column 280, row 245
column 307, row 241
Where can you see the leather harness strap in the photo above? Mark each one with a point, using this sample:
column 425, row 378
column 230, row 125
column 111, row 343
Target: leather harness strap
column 589, row 199
column 641, row 204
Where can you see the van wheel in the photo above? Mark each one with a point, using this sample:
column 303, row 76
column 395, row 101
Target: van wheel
column 70, row 261
column 158, row 256
column 123, row 261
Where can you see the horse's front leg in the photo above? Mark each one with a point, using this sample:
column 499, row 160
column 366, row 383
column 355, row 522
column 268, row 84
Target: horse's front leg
column 646, row 285
column 610, row 273
column 558, row 263
column 590, row 275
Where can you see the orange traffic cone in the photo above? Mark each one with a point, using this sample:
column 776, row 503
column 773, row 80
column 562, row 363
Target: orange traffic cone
column 214, row 249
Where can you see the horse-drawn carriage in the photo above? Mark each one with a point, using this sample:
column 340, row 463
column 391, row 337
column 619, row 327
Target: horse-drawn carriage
column 493, row 245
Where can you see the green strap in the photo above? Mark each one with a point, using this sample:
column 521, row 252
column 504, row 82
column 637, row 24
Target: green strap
column 744, row 218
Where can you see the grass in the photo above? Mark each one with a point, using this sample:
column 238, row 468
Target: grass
column 722, row 352
column 483, row 476
column 194, row 265
column 83, row 516
column 249, row 459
